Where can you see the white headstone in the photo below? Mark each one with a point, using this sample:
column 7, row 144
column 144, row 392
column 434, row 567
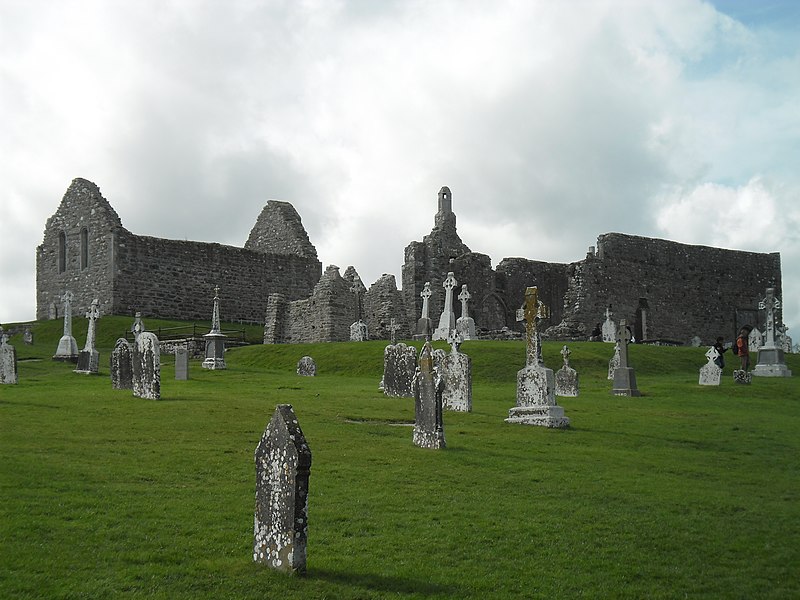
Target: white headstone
column 146, row 359
column 67, row 346
column 457, row 375
column 566, row 377
column 710, row 373
column 447, row 321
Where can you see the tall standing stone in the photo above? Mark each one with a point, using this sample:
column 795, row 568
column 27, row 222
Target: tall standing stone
column 465, row 325
column 609, row 328
column 121, row 365
column 428, row 423
column 447, row 321
column 67, row 350
column 138, row 325
column 711, row 373
column 181, row 363
column 614, row 362
column 146, row 366
column 624, row 375
column 457, row 376
column 89, row 358
column 536, row 402
column 423, row 328
column 771, row 359
column 283, row 466
column 215, row 340
column 399, row 368
column 566, row 377
column 8, row 360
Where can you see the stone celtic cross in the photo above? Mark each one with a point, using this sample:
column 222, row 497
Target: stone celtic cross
column 532, row 312
column 67, row 300
column 464, row 296
column 565, row 352
column 215, row 325
column 425, row 294
column 770, row 303
column 623, row 339
column 358, row 288
column 608, row 313
column 393, row 328
column 448, row 286
column 92, row 314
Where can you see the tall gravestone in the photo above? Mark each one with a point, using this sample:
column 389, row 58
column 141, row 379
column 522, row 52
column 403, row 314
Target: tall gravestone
column 181, row 363
column 423, row 328
column 121, row 365
column 609, row 328
column 536, row 402
column 428, row 423
column 566, row 377
column 457, row 376
column 771, row 359
column 614, row 362
column 399, row 367
column 89, row 358
column 447, row 321
column 215, row 340
column 465, row 325
column 146, row 359
column 711, row 373
column 67, row 350
column 624, row 375
column 283, row 466
column 8, row 360
column 358, row 330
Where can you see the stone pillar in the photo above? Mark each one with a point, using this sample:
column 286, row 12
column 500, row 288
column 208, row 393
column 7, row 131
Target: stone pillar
column 447, row 321
column 146, row 361
column 8, row 360
column 215, row 340
column 67, row 350
column 428, row 424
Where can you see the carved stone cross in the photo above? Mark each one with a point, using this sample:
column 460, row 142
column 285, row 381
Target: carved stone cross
column 608, row 313
column 623, row 338
column 138, row 326
column 448, row 285
column 565, row 352
column 92, row 314
column 426, row 294
column 215, row 325
column 67, row 300
column 532, row 311
column 464, row 296
column 771, row 304
column 455, row 340
column 393, row 327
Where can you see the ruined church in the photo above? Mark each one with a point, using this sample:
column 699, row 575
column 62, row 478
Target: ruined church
column 670, row 292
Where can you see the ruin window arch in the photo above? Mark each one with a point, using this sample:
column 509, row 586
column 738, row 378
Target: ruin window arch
column 84, row 248
column 62, row 252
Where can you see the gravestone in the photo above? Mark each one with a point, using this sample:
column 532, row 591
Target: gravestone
column 67, row 350
column 89, row 358
column 711, row 373
column 215, row 340
column 399, row 367
column 181, row 363
column 536, row 402
column 146, row 360
column 438, row 358
column 283, row 467
column 695, row 342
column 423, row 329
column 428, row 384
column 138, row 325
column 609, row 330
column 457, row 376
column 393, row 329
column 614, row 362
column 465, row 325
column 52, row 311
column 742, row 377
column 624, row 375
column 783, row 341
column 447, row 321
column 121, row 365
column 566, row 377
column 306, row 367
column 358, row 330
column 755, row 340
column 771, row 359
column 27, row 336
column 8, row 360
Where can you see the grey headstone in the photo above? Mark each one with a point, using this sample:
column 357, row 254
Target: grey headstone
column 741, row 376
column 428, row 424
column 146, row 367
column 566, row 377
column 121, row 365
column 88, row 358
column 624, row 375
column 771, row 359
column 8, row 360
column 695, row 342
column 215, row 340
column 613, row 363
column 358, row 332
column 283, row 466
column 27, row 336
column 399, row 367
column 181, row 363
column 67, row 346
column 447, row 321
column 306, row 367
column 710, row 373
column 456, row 372
column 609, row 329
column 423, row 328
column 465, row 325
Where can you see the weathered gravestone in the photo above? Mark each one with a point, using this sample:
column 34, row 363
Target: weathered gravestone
column 359, row 332
column 181, row 363
column 27, row 336
column 447, row 322
column 67, row 350
column 566, row 377
column 423, row 328
column 609, row 328
column 742, row 377
column 399, row 367
column 465, row 325
column 771, row 359
column 283, row 466
column 695, row 341
column 428, row 424
column 613, row 362
column 306, row 367
column 457, row 376
column 536, row 402
column 215, row 340
column 89, row 358
column 755, row 340
column 711, row 373
column 146, row 359
column 121, row 365
column 8, row 360
column 624, row 375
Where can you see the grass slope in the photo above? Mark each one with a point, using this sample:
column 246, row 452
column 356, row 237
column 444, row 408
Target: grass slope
column 684, row 492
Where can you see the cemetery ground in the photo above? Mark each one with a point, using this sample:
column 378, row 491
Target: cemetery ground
column 687, row 491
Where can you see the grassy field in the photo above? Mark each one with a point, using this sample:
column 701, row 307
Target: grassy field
column 687, row 491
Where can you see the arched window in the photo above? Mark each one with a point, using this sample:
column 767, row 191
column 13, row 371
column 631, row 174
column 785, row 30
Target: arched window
column 62, row 252
column 84, row 248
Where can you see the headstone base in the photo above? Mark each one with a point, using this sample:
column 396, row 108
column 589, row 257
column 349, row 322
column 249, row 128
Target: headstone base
column 741, row 376
column 214, row 364
column 625, row 382
column 67, row 350
column 543, row 416
column 771, row 363
column 427, row 439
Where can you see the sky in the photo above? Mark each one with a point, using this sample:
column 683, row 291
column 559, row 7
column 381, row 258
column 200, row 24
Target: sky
column 551, row 121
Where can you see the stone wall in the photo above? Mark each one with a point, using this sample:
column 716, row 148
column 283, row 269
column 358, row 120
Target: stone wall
column 382, row 303
column 552, row 280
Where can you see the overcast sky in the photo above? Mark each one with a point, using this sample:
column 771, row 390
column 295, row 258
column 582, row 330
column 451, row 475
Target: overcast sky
column 551, row 122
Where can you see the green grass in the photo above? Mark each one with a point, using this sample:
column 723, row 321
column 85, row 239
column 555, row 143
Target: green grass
column 683, row 492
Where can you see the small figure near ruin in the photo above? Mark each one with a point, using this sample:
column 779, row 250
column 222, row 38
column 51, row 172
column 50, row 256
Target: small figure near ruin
column 711, row 372
column 215, row 340
column 609, row 327
column 536, row 402
column 307, row 367
column 771, row 359
column 465, row 325
column 121, row 365
column 89, row 358
column 447, row 321
column 566, row 377
column 283, row 467
column 624, row 375
column 146, row 359
column 8, row 360
column 457, row 377
column 428, row 387
column 67, row 350
column 424, row 322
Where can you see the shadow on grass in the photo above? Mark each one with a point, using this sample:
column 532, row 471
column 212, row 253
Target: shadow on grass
column 379, row 583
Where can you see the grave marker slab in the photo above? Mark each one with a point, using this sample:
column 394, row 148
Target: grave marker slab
column 146, row 359
column 566, row 377
column 399, row 368
column 428, row 424
column 121, row 365
column 8, row 361
column 307, row 367
column 609, row 330
column 710, row 373
column 181, row 363
column 457, row 378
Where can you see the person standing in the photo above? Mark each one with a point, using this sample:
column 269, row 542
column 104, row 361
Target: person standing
column 720, row 347
column 744, row 351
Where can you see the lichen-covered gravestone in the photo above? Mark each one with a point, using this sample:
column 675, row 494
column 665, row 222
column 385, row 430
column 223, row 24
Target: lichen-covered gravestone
column 121, row 365
column 613, row 363
column 624, row 375
column 609, row 329
column 447, row 321
column 283, row 466
column 465, row 325
column 89, row 358
column 428, row 424
column 566, row 377
column 457, row 376
column 8, row 360
column 710, row 373
column 771, row 359
column 146, row 367
column 181, row 363
column 399, row 367
column 306, row 367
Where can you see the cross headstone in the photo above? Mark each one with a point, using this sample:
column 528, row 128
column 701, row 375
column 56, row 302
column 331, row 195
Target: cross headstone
column 121, row 365
column 424, row 323
column 306, row 367
column 457, row 377
column 89, row 358
column 771, row 359
column 533, row 311
column 609, row 330
column 67, row 346
column 359, row 332
column 399, row 368
column 27, row 336
column 614, row 362
column 624, row 375
column 138, row 325
column 393, row 329
column 711, row 373
column 215, row 340
column 566, row 376
column 146, row 359
column 428, row 424
column 465, row 325
column 447, row 321
column 8, row 360
column 283, row 467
